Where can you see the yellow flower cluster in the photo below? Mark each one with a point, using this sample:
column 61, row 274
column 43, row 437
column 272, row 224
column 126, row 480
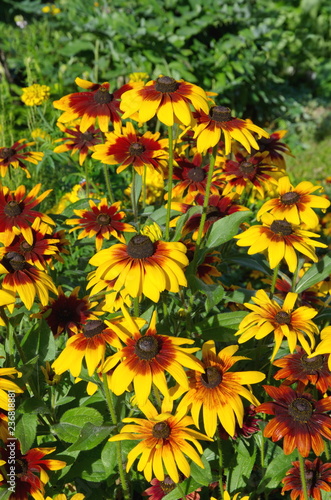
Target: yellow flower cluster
column 51, row 9
column 35, row 94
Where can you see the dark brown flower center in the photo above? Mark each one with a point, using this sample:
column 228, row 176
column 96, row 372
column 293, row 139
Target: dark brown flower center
column 283, row 318
column 136, row 149
column 140, row 247
column 161, row 430
column 213, row 214
column 12, row 209
column 301, row 410
column 6, row 153
column 103, row 219
column 220, row 114
column 212, row 377
column 166, row 84
column 93, row 327
column 281, row 227
column 21, row 467
column 290, row 198
column 14, row 261
column 102, row 96
column 311, row 365
column 147, row 347
column 25, row 247
column 86, row 137
column 196, row 174
column 167, row 485
column 246, row 167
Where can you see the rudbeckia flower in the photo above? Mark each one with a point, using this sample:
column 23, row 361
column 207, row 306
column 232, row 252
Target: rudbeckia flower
column 89, row 343
column 218, row 119
column 17, row 214
column 101, row 221
column 160, row 489
column 165, row 97
column 163, row 442
column 112, row 299
column 25, row 280
column 131, row 148
column 275, row 148
column 146, row 358
column 299, row 419
column 217, row 391
column 27, row 467
column 218, row 207
column 300, row 368
column 97, row 104
column 295, row 204
column 324, row 347
column 284, row 321
column 246, row 173
column 61, row 496
column 282, row 240
column 146, row 265
column 8, row 385
column 38, row 253
column 13, row 156
column 78, row 141
column 317, row 477
column 67, row 313
column 192, row 177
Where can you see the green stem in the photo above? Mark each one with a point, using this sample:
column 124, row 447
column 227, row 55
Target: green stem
column 273, row 282
column 170, row 175
column 220, row 462
column 108, row 184
column 303, row 477
column 205, row 204
column 326, row 449
column 111, row 408
column 144, row 188
column 87, row 182
column 295, row 278
column 134, row 200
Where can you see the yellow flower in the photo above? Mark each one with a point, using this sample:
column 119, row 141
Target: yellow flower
column 77, row 496
column 8, row 385
column 163, row 442
column 138, row 77
column 35, row 94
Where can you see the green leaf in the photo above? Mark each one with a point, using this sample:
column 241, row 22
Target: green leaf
column 276, row 469
column 202, row 476
column 317, row 272
column 220, row 327
column 182, row 220
column 73, row 420
column 33, row 405
column 109, row 456
column 5, row 493
column 95, row 472
column 227, row 227
column 90, row 436
column 26, row 429
column 188, row 486
column 214, row 293
column 245, row 460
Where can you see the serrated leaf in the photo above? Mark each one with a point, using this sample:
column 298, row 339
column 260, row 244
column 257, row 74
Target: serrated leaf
column 26, row 429
column 227, row 227
column 317, row 272
column 73, row 420
column 90, row 436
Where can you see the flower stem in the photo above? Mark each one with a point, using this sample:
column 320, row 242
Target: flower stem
column 134, row 200
column 170, row 175
column 205, row 203
column 144, row 188
column 220, row 462
column 303, row 477
column 107, row 179
column 111, row 408
column 273, row 282
column 87, row 181
column 136, row 311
